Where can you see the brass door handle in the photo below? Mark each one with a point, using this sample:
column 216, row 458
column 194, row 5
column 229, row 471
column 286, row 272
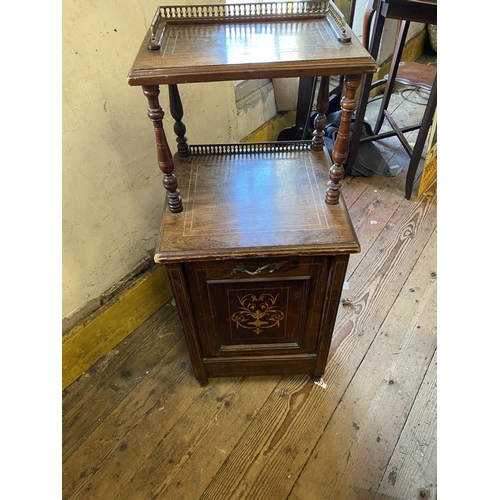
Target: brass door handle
column 272, row 267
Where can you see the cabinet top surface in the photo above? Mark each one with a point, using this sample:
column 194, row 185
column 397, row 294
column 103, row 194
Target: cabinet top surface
column 244, row 41
column 250, row 205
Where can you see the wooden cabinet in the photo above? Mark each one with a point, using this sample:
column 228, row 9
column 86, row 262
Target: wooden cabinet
column 261, row 316
column 255, row 237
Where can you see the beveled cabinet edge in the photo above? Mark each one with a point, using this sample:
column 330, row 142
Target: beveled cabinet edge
column 251, row 253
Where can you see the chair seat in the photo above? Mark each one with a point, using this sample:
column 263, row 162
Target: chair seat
column 415, row 74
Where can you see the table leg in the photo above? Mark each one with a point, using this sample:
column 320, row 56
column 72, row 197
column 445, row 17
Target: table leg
column 165, row 159
column 320, row 121
column 178, row 283
column 341, row 146
column 391, row 78
column 177, row 112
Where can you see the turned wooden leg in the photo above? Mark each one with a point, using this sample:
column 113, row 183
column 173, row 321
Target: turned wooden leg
column 177, row 113
column 165, row 159
column 341, row 146
column 320, row 119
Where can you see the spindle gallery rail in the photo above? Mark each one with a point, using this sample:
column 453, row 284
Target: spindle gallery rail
column 224, row 12
column 244, row 12
column 249, row 148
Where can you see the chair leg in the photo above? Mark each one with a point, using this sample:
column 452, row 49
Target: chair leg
column 421, row 138
column 358, row 122
column 391, row 79
column 365, row 89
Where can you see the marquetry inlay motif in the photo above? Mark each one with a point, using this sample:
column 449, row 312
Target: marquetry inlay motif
column 257, row 313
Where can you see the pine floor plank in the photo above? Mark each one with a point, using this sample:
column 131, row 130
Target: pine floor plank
column 265, row 446
column 349, row 459
column 411, row 472
column 372, row 211
column 98, row 376
column 377, row 280
column 110, row 452
column 199, row 446
column 90, row 399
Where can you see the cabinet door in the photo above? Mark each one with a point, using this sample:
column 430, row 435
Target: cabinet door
column 259, row 307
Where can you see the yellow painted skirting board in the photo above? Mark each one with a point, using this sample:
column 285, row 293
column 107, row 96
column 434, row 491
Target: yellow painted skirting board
column 270, row 130
column 85, row 344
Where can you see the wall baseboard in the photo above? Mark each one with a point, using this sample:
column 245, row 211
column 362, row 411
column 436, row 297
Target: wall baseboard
column 82, row 314
column 269, row 131
column 88, row 342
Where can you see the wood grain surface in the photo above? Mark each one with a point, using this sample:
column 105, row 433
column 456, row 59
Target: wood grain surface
column 251, row 205
column 138, row 425
column 249, row 50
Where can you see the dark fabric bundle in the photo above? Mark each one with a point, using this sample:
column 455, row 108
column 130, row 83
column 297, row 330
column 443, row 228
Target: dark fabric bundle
column 369, row 160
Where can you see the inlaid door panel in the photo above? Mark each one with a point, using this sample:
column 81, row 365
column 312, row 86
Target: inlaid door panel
column 258, row 307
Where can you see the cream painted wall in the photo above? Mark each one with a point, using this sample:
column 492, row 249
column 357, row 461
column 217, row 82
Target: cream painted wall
column 112, row 190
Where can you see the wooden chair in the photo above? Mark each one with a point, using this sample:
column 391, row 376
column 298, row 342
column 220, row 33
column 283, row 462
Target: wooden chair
column 414, row 74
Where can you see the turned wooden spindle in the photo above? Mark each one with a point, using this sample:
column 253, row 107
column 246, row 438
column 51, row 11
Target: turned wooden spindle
column 320, row 119
column 165, row 159
column 341, row 145
column 177, row 113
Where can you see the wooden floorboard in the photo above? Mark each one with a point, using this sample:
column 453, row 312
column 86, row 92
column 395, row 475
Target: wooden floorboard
column 137, row 425
column 101, row 389
column 361, row 435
